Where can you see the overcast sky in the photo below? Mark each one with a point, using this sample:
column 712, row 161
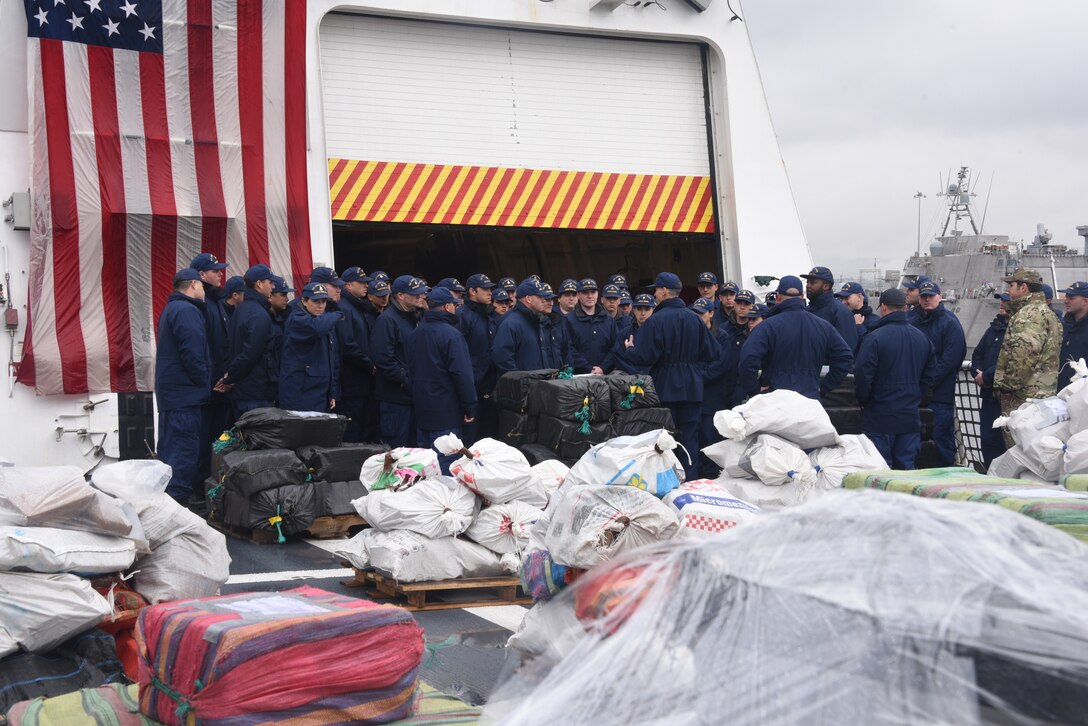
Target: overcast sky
column 871, row 100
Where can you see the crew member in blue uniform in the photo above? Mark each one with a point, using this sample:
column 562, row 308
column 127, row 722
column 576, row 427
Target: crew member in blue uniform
column 454, row 286
column 619, row 280
column 945, row 333
column 727, row 297
column 249, row 376
column 510, row 285
column 393, row 383
column 559, row 332
column 983, row 365
column 217, row 412
column 279, row 310
column 183, row 384
column 707, row 285
column 1048, row 293
column 523, row 341
column 788, row 349
column 593, row 331
column 625, row 306
column 676, row 345
column 893, row 368
column 822, row 304
column 611, row 297
column 356, row 367
column 478, row 328
column 568, row 296
column 443, row 393
column 852, row 295
column 719, row 380
column 310, row 370
column 233, row 294
column 1075, row 334
column 641, row 309
column 742, row 305
column 500, row 305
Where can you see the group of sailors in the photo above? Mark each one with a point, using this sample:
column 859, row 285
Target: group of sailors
column 407, row 362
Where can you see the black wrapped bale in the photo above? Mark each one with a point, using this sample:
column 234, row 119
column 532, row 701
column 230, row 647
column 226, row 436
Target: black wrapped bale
column 249, row 472
column 338, row 463
column 927, row 456
column 88, row 660
column 843, row 396
column 512, row 389
column 286, row 510
column 846, row 420
column 537, row 453
column 516, row 429
column 333, row 498
column 566, row 439
column 629, row 392
column 566, row 398
column 275, row 428
column 233, row 509
column 639, row 421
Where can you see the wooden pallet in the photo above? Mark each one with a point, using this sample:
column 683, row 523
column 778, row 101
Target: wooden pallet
column 336, row 526
column 413, row 595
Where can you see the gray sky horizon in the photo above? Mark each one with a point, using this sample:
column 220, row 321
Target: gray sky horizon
column 872, row 101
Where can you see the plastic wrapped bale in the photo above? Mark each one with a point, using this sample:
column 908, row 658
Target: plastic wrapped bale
column 640, row 420
column 193, row 564
column 517, row 429
column 647, row 462
column 727, row 454
column 43, row 549
column 1045, row 456
column 768, row 497
column 1075, row 460
column 832, row 463
column 436, row 507
column 972, row 617
column 115, row 703
column 283, row 510
column 629, row 392
column 41, row 611
column 775, row 461
column 567, row 438
column 88, row 660
column 504, row 528
column 249, row 472
column 544, row 479
column 1035, row 419
column 399, row 468
column 333, row 498
column 1075, row 394
column 786, row 414
column 706, row 508
column 59, row 497
column 302, row 655
column 592, row 524
column 134, row 480
column 541, row 576
column 512, row 388
column 582, row 398
column 497, row 472
column 411, row 557
column 338, row 463
column 275, row 428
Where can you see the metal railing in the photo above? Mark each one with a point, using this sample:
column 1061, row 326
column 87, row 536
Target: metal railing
column 968, row 426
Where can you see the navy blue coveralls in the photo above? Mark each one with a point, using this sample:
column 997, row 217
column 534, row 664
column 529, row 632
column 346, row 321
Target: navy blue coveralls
column 251, row 367
column 828, row 307
column 984, row 358
column 944, row 331
column 524, row 342
column 310, row 369
column 592, row 338
column 357, row 369
column 393, row 383
column 479, row 331
column 1074, row 347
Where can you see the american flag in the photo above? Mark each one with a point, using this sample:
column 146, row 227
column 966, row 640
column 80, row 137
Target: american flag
column 159, row 129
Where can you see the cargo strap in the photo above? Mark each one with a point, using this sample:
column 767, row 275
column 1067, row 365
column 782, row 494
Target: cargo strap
column 432, row 650
column 184, row 706
column 582, row 415
column 275, row 522
column 635, row 390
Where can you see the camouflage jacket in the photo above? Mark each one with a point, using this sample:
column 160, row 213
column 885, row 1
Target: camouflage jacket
column 1027, row 365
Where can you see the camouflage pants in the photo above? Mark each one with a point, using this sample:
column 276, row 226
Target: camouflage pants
column 1009, row 403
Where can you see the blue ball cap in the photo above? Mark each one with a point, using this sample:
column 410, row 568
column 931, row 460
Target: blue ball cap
column 618, row 280
column 612, row 291
column 915, row 283
column 759, row 310
column 508, row 284
column 929, row 288
column 568, row 285
column 207, row 261
column 186, row 273
column 790, row 285
column 626, row 299
column 729, row 286
column 257, row 273
column 409, row 285
column 528, row 287
column 326, row 275
column 645, row 301
column 440, row 296
column 702, row 305
column 587, row 284
column 1048, row 291
column 451, row 283
column 500, row 296
column 315, row 291
column 850, row 288
column 546, row 291
column 233, row 285
column 355, row 274
column 708, row 278
column 1077, row 288
column 667, row 280
column 746, row 296
column 479, row 280
column 820, row 273
column 379, row 288
column 279, row 285
column 380, row 275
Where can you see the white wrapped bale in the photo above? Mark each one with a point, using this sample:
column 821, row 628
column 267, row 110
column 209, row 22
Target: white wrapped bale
column 194, row 563
column 49, row 550
column 833, row 463
column 435, row 507
column 1035, row 419
column 411, row 557
column 58, row 496
column 399, row 468
column 40, row 611
column 706, row 509
column 786, row 414
column 727, row 454
column 647, row 462
column 494, row 470
column 544, row 479
column 769, row 497
column 504, row 528
column 1075, row 459
column 775, row 461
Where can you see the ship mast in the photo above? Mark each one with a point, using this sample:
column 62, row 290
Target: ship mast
column 959, row 205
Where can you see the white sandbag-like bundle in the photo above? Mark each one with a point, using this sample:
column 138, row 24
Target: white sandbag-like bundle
column 833, row 463
column 775, row 461
column 544, row 479
column 767, row 497
column 44, row 549
column 194, row 563
column 412, row 557
column 133, row 480
column 594, row 523
column 1075, row 394
column 1044, row 457
column 647, row 461
column 494, row 470
column 1035, row 419
column 504, row 528
column 706, row 508
column 786, row 414
column 727, row 454
column 1075, row 460
column 1013, row 464
column 398, row 469
column 39, row 612
column 435, row 507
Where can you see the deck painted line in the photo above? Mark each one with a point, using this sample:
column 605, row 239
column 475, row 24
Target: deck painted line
column 505, row 616
column 289, row 575
column 329, row 545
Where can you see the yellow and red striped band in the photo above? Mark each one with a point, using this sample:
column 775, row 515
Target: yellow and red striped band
column 386, row 191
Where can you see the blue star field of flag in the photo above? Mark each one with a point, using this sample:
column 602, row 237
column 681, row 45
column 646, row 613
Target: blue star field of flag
column 119, row 24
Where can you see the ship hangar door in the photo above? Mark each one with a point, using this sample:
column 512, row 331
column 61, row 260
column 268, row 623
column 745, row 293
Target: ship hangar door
column 456, row 149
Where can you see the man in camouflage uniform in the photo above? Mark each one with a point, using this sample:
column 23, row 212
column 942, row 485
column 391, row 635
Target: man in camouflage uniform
column 1027, row 366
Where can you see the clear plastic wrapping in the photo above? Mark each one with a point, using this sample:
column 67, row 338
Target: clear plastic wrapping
column 858, row 607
